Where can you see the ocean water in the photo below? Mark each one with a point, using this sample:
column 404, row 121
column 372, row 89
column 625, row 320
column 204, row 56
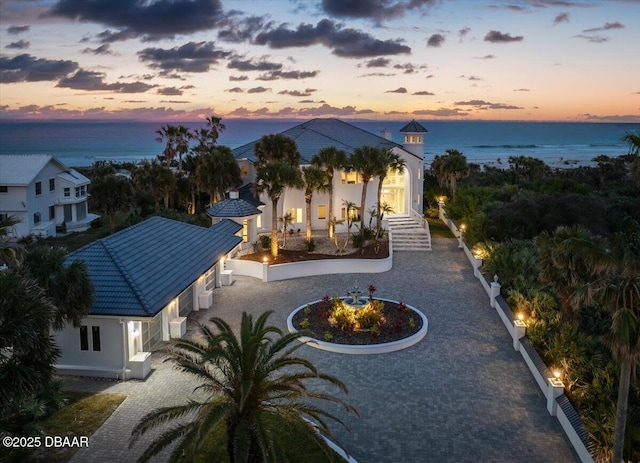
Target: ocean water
column 485, row 142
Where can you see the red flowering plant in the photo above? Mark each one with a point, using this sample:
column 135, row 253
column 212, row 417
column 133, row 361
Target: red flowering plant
column 372, row 289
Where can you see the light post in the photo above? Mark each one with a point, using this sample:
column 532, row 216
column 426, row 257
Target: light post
column 463, row 227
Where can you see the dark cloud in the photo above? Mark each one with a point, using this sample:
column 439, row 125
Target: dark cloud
column 235, row 90
column 481, row 104
column 275, row 75
column 472, row 78
column 238, row 78
column 373, row 9
column 238, row 30
column 103, row 49
column 311, row 101
column 441, row 112
column 175, row 101
column 346, row 43
column 423, row 93
column 27, row 68
column 485, row 57
column 606, row 27
column 397, row 90
column 377, row 74
column 258, row 90
column 110, row 36
column 190, row 57
column 250, row 65
column 378, row 63
column 170, row 91
column 561, row 18
column 93, row 81
column 462, row 33
column 501, row 37
column 15, row 30
column 593, row 38
column 153, row 19
column 298, row 93
column 19, row 45
column 612, row 118
column 409, row 68
column 435, row 40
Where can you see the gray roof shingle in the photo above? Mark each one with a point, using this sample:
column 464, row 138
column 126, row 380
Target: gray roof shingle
column 227, row 226
column 137, row 271
column 313, row 135
column 232, row 208
column 413, row 127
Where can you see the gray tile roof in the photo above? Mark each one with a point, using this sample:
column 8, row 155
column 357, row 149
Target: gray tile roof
column 227, row 226
column 232, row 208
column 313, row 135
column 413, row 126
column 137, row 271
column 21, row 169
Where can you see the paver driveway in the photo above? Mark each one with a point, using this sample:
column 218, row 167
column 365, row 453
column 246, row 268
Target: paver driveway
column 460, row 395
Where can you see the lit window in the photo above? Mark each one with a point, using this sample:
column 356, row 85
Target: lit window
column 351, row 178
column 244, row 170
column 322, row 212
column 419, row 174
column 299, row 215
column 38, row 188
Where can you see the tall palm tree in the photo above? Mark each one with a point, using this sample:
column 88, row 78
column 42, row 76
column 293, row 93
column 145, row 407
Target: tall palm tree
column 256, row 387
column 163, row 182
column 217, row 172
column 454, row 166
column 330, row 159
column 183, row 135
column 633, row 141
column 617, row 289
column 314, row 179
column 277, row 167
column 349, row 207
column 273, row 178
column 168, row 135
column 366, row 160
column 389, row 162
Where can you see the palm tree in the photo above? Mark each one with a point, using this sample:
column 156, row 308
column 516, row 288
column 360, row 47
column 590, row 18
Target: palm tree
column 256, row 388
column 110, row 194
column 68, row 286
column 163, row 182
column 349, row 207
column 454, row 166
column 217, row 172
column 633, row 141
column 366, row 161
column 314, row 179
column 617, row 289
column 330, row 159
column 277, row 167
column 389, row 162
column 168, row 134
column 183, row 135
column 286, row 220
column 564, row 262
column 273, row 179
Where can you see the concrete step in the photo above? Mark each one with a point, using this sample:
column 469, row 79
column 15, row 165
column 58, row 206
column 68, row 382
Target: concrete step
column 407, row 234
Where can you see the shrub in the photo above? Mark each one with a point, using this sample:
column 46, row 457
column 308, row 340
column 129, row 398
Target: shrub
column 343, row 317
column 307, row 310
column 358, row 240
column 265, row 241
column 328, row 336
column 304, row 324
column 310, row 245
column 370, row 315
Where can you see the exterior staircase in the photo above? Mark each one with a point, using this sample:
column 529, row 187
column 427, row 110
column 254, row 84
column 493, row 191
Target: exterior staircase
column 409, row 234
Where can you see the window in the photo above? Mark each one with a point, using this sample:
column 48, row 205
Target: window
column 296, row 215
column 354, row 214
column 245, row 231
column 36, row 218
column 67, row 192
column 244, row 170
column 4, row 189
column 38, row 188
column 52, row 184
column 322, row 212
column 259, row 221
column 84, row 338
column 95, row 334
column 351, row 178
column 419, row 174
column 77, row 192
column 52, row 212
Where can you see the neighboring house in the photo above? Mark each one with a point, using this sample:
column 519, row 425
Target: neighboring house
column 403, row 192
column 146, row 279
column 44, row 195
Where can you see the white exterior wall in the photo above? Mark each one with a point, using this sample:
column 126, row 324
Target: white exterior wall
column 104, row 363
column 40, row 203
column 14, row 203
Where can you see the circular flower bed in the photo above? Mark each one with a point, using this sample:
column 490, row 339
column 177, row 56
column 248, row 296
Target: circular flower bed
column 377, row 321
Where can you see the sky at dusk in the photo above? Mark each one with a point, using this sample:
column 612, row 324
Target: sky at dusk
column 183, row 60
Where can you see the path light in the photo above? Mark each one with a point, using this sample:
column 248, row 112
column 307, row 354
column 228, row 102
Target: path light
column 520, row 316
column 557, row 373
column 463, row 227
column 265, row 260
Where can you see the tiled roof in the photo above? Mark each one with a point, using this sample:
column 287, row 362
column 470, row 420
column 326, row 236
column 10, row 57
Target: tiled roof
column 137, row 271
column 21, row 169
column 232, row 208
column 313, row 135
column 412, row 127
column 246, row 192
column 226, row 226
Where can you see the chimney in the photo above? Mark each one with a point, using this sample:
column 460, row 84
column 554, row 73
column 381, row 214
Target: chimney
column 233, row 194
column 386, row 134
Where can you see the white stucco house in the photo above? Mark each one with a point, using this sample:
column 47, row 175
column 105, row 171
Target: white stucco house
column 44, row 195
column 402, row 191
column 147, row 279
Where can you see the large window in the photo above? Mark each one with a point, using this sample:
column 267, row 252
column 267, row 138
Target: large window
column 351, row 178
column 296, row 214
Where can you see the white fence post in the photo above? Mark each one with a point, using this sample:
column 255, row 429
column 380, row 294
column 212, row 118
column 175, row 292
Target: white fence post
column 495, row 291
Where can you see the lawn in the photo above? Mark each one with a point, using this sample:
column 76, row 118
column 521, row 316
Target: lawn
column 82, row 416
column 439, row 229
